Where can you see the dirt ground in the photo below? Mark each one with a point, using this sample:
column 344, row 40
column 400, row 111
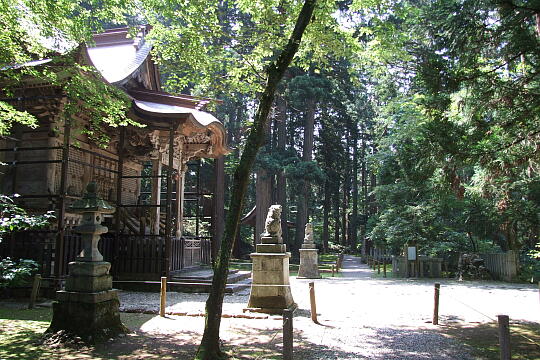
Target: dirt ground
column 362, row 317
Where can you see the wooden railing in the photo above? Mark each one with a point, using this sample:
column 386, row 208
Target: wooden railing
column 133, row 257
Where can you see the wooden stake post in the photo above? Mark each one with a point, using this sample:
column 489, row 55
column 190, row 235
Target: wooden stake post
column 163, row 298
column 436, row 305
column 287, row 334
column 35, row 291
column 313, row 304
column 504, row 336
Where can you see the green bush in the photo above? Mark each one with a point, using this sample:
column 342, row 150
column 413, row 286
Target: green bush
column 530, row 267
column 16, row 273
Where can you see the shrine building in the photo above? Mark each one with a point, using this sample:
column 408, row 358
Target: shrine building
column 165, row 179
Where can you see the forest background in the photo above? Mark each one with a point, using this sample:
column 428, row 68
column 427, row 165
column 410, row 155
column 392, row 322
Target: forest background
column 399, row 121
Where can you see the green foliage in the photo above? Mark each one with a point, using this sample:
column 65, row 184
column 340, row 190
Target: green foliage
column 226, row 46
column 305, row 171
column 456, row 123
column 35, row 30
column 15, row 218
column 10, row 115
column 529, row 263
column 304, row 87
column 16, row 273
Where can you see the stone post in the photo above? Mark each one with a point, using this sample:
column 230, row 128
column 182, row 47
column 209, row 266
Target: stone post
column 309, row 258
column 89, row 307
column 270, row 288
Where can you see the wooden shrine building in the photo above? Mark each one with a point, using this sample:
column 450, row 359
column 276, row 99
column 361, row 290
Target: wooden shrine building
column 168, row 215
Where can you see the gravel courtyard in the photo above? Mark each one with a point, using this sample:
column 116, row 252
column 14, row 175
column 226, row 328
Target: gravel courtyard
column 362, row 317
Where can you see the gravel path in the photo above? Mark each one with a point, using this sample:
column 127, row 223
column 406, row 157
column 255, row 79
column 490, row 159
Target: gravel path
column 363, row 317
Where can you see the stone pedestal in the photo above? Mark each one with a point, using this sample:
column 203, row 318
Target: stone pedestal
column 309, row 264
column 270, row 288
column 309, row 257
column 89, row 306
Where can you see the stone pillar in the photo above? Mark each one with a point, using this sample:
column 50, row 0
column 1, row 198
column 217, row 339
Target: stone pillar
column 270, row 288
column 89, row 307
column 309, row 256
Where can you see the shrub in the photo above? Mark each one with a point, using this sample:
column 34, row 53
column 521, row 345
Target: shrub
column 15, row 218
column 16, row 273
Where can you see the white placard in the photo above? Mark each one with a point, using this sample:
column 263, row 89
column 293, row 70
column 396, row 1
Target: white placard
column 411, row 253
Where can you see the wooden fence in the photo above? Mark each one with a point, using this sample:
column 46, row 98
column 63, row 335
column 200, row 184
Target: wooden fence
column 133, row 257
column 503, row 266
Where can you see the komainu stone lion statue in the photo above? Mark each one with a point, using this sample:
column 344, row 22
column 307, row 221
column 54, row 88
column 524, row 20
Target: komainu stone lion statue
column 272, row 225
column 308, row 237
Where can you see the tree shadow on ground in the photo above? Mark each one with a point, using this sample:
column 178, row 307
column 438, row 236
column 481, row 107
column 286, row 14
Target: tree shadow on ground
column 385, row 343
column 178, row 338
column 139, row 345
column 253, row 342
column 484, row 339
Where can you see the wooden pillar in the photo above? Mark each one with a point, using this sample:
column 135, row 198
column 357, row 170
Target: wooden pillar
column 198, row 197
column 156, row 192
column 16, row 158
column 119, row 209
column 218, row 221
column 180, row 184
column 168, row 208
column 59, row 246
column 51, row 168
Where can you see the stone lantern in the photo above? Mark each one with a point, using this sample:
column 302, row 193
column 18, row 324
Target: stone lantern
column 89, row 306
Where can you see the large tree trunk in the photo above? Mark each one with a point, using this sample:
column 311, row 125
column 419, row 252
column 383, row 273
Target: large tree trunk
column 364, row 194
column 326, row 215
column 345, row 204
column 281, row 125
column 305, row 188
column 354, row 217
column 209, row 349
column 263, row 199
column 337, row 223
column 263, row 192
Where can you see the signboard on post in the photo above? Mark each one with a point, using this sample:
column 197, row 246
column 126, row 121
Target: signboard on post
column 411, row 253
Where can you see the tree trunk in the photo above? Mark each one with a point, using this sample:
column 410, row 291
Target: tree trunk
column 326, row 215
column 209, row 349
column 336, row 214
column 354, row 217
column 364, row 193
column 263, row 199
column 305, row 189
column 345, row 204
column 281, row 125
column 537, row 22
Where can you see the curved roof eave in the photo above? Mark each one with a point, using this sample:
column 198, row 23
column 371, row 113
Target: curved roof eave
column 118, row 71
column 199, row 119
